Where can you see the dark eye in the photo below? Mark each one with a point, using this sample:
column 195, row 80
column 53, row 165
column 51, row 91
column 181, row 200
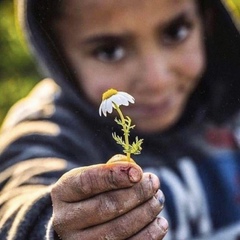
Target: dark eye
column 177, row 32
column 110, row 53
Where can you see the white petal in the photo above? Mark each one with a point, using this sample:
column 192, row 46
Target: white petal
column 115, row 99
column 100, row 109
column 123, row 100
column 104, row 108
column 129, row 97
column 109, row 106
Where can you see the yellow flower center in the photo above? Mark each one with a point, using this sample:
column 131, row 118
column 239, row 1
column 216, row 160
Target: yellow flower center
column 109, row 93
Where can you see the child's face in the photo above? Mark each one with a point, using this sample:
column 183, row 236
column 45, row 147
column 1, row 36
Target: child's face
column 152, row 49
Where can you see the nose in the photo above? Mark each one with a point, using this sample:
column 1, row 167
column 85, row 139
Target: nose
column 156, row 71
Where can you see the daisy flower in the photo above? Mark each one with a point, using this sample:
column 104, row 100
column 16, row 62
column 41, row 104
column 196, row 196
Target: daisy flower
column 113, row 99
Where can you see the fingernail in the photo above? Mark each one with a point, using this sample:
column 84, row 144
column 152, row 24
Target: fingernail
column 134, row 175
column 160, row 197
column 163, row 224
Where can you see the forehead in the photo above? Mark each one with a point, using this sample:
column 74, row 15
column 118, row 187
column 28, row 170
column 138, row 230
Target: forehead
column 113, row 12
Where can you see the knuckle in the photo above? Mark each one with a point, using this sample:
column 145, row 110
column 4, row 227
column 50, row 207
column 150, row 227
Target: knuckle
column 154, row 207
column 153, row 232
column 148, row 186
column 153, row 181
column 108, row 205
column 86, row 183
column 65, row 222
column 58, row 225
column 54, row 192
column 111, row 179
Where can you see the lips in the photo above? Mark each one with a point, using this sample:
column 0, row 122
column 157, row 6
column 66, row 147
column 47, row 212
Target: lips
column 153, row 109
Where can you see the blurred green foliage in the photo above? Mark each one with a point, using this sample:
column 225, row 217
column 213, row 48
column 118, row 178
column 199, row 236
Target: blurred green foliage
column 18, row 73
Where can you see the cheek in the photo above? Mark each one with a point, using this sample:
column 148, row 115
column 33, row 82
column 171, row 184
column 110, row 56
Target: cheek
column 97, row 78
column 192, row 66
column 93, row 84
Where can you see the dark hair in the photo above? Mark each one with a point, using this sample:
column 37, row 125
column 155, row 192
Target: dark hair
column 39, row 23
column 47, row 10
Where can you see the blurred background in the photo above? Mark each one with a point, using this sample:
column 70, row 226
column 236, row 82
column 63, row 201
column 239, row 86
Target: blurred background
column 18, row 71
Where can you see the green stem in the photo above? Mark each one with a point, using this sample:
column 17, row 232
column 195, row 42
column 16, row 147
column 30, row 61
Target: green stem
column 124, row 128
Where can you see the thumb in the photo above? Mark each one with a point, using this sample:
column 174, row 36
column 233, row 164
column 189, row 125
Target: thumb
column 134, row 173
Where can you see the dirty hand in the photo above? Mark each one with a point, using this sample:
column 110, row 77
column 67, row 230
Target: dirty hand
column 115, row 200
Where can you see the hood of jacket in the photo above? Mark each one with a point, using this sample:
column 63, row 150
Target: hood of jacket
column 217, row 95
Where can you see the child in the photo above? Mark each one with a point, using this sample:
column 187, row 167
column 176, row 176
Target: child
column 180, row 61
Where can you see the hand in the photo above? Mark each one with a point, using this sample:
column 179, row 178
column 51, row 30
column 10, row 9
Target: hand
column 115, row 200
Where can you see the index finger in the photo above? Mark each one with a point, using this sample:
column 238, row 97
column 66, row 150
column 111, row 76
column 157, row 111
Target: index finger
column 85, row 182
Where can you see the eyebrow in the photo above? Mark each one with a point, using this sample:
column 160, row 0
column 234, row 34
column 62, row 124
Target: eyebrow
column 124, row 36
column 184, row 15
column 177, row 19
column 106, row 38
